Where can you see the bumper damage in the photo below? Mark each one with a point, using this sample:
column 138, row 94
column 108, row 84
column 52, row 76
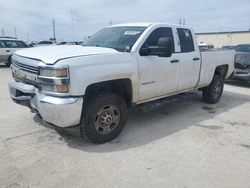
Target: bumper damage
column 60, row 111
column 241, row 74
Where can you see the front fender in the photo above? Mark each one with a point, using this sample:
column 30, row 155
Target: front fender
column 88, row 70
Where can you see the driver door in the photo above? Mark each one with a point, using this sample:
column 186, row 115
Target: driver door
column 158, row 76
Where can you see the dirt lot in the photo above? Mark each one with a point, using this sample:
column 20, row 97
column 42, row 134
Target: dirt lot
column 184, row 143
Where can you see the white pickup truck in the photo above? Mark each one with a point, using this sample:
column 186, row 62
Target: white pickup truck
column 120, row 66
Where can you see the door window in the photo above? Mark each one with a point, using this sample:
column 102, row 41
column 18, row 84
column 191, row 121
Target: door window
column 186, row 40
column 158, row 33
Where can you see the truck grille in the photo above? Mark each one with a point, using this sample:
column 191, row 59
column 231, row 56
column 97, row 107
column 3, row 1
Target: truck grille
column 27, row 68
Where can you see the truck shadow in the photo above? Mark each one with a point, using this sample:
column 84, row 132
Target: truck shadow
column 167, row 117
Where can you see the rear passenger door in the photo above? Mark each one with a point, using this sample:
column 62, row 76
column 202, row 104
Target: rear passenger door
column 189, row 60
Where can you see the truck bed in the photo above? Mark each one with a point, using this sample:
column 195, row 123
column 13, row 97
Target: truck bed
column 216, row 58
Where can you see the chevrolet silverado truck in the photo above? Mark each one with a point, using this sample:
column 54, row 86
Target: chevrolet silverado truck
column 121, row 66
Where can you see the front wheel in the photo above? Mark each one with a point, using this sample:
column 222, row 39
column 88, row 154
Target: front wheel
column 213, row 92
column 104, row 116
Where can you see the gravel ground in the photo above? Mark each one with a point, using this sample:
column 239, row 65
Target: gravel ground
column 179, row 142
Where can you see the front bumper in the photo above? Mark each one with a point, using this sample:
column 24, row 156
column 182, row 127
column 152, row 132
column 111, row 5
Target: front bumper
column 60, row 111
column 238, row 74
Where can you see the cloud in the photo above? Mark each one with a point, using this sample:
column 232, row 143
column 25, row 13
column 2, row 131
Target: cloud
column 35, row 17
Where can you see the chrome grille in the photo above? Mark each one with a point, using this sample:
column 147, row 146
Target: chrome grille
column 27, row 68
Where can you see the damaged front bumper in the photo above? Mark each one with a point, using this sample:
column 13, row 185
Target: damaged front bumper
column 60, row 111
column 241, row 74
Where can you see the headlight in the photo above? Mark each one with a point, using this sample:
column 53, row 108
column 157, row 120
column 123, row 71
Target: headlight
column 54, row 80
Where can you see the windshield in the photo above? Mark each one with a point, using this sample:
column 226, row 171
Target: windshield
column 118, row 38
column 243, row 48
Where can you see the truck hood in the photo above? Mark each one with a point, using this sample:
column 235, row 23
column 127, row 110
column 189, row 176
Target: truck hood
column 51, row 54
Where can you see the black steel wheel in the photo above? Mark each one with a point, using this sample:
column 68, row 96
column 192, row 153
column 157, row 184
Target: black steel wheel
column 104, row 116
column 213, row 92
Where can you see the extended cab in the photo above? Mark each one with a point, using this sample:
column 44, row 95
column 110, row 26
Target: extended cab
column 120, row 66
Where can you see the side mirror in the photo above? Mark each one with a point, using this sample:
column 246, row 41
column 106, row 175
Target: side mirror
column 166, row 44
column 163, row 48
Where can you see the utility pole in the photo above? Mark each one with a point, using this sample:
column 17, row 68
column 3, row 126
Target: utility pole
column 73, row 26
column 180, row 21
column 27, row 37
column 110, row 22
column 3, row 33
column 184, row 21
column 54, row 30
column 15, row 31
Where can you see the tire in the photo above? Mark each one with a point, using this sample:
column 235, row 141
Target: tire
column 104, row 116
column 212, row 93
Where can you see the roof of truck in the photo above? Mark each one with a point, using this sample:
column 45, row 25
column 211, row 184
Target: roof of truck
column 147, row 24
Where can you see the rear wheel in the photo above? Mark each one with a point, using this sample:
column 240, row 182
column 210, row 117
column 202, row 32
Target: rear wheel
column 104, row 116
column 213, row 92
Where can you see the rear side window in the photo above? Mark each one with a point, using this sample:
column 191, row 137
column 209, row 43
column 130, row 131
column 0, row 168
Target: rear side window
column 158, row 33
column 186, row 40
column 15, row 44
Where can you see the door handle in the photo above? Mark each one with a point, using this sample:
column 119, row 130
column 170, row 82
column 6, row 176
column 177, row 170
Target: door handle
column 7, row 50
column 196, row 58
column 175, row 61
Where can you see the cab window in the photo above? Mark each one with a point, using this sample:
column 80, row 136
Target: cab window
column 186, row 40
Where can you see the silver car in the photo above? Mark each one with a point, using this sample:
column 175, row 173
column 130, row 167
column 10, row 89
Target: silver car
column 7, row 47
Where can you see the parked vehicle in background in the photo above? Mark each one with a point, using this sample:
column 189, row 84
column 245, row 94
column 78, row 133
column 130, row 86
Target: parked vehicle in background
column 242, row 62
column 120, row 66
column 228, row 47
column 8, row 46
column 62, row 43
column 31, row 44
column 45, row 43
column 205, row 46
column 69, row 43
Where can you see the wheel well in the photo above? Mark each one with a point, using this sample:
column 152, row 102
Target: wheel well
column 122, row 87
column 222, row 70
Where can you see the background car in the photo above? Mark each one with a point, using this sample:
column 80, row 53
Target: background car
column 205, row 46
column 7, row 47
column 242, row 62
column 228, row 47
column 45, row 43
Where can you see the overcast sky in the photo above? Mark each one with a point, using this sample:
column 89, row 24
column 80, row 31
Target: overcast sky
column 35, row 17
